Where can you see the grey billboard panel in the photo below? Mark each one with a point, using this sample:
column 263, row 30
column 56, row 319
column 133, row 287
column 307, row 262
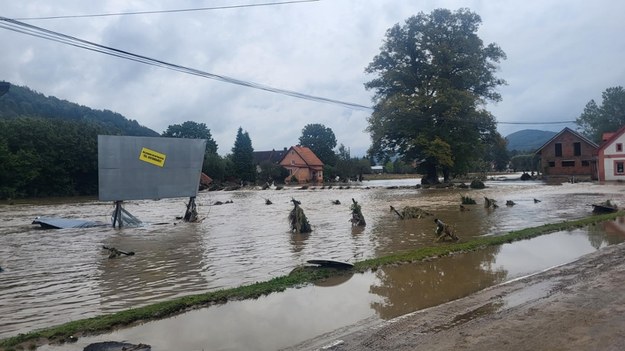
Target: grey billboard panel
column 136, row 168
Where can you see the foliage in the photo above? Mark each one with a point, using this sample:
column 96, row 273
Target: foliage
column 192, row 130
column 477, row 184
column 348, row 167
column 466, row 200
column 497, row 153
column 48, row 147
column 297, row 219
column 40, row 157
column 321, row 141
column 357, row 217
column 524, row 162
column 272, row 173
column 23, row 102
column 243, row 157
column 609, row 117
column 298, row 277
column 434, row 76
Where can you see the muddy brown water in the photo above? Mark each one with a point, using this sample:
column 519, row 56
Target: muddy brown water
column 55, row 276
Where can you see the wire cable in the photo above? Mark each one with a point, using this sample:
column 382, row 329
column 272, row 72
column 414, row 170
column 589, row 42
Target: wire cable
column 28, row 29
column 163, row 11
column 43, row 33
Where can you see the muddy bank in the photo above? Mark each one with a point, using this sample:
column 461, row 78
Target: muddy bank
column 577, row 306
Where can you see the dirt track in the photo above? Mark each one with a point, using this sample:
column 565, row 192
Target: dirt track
column 578, row 306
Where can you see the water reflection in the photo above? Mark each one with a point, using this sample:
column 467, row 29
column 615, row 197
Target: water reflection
column 420, row 285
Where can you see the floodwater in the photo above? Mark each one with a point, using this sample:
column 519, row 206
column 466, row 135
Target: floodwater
column 54, row 276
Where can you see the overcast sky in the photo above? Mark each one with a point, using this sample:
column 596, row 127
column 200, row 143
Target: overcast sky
column 560, row 55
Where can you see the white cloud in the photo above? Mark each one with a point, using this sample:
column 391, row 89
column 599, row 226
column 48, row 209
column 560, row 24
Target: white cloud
column 560, row 55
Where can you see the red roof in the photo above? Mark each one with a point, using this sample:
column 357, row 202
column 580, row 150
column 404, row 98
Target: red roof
column 307, row 155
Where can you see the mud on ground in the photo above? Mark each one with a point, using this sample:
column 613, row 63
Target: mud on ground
column 577, row 306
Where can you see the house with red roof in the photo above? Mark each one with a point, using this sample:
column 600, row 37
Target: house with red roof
column 303, row 165
column 611, row 156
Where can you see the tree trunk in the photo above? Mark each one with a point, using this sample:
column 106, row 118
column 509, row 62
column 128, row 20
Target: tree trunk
column 431, row 176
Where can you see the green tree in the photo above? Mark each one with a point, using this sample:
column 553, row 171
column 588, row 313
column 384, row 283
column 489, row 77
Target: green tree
column 192, row 130
column 609, row 117
column 497, row 153
column 321, row 141
column 434, row 77
column 529, row 162
column 243, row 157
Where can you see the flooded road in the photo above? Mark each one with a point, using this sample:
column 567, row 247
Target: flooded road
column 54, row 276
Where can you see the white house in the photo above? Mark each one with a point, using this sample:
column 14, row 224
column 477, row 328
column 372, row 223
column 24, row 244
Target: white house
column 611, row 156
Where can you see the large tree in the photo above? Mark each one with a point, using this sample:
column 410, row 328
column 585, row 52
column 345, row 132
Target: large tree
column 609, row 117
column 434, row 77
column 321, row 140
column 243, row 157
column 192, row 130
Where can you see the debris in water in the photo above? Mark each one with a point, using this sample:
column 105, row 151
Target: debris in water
column 117, row 346
column 510, row 203
column 268, row 202
column 536, row 201
column 411, row 212
column 357, row 218
column 297, row 219
column 444, row 230
column 114, row 253
column 488, row 203
column 604, row 207
column 336, row 202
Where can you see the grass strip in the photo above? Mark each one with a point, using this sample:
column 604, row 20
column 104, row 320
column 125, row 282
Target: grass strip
column 300, row 276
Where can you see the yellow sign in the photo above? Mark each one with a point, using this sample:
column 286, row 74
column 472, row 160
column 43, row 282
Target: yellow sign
column 153, row 157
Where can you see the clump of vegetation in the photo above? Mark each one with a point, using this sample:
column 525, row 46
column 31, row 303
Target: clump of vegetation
column 297, row 219
column 466, row 200
column 488, row 203
column 477, row 184
column 411, row 212
column 357, row 218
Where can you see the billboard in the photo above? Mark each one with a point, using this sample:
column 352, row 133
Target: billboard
column 137, row 168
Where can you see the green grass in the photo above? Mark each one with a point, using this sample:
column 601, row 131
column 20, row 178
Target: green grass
column 300, row 276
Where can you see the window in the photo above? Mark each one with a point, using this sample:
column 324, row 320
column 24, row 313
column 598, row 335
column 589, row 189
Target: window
column 568, row 163
column 558, row 150
column 619, row 147
column 585, row 163
column 619, row 167
column 552, row 163
column 577, row 149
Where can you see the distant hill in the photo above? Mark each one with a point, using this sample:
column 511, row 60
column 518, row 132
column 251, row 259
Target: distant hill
column 528, row 139
column 49, row 147
column 24, row 102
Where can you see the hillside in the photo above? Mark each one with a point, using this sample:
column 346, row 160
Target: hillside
column 528, row 139
column 49, row 147
column 24, row 102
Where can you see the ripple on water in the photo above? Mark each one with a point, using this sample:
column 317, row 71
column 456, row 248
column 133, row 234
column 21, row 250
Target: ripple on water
column 55, row 276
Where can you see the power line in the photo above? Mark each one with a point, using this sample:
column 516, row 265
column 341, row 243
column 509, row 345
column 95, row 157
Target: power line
column 532, row 123
column 164, row 11
column 35, row 31
column 28, row 29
